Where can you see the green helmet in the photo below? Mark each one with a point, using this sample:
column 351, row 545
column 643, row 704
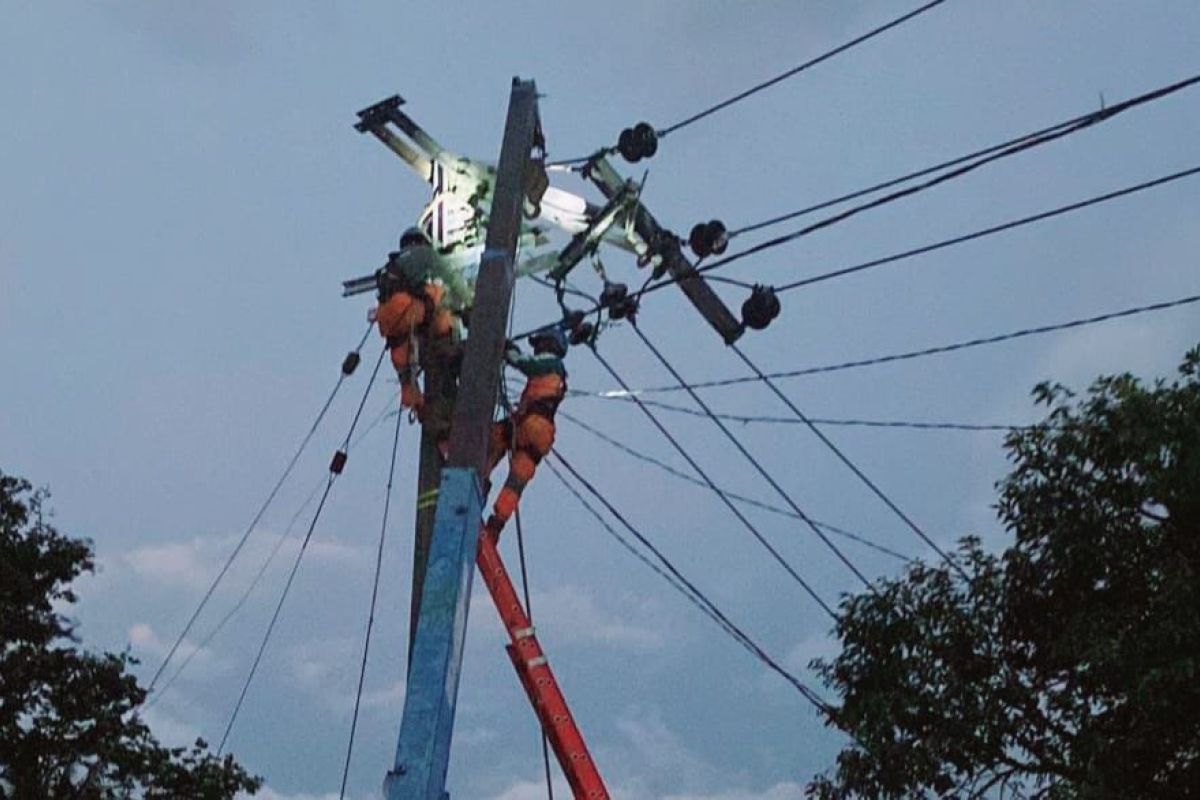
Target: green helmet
column 549, row 338
column 413, row 237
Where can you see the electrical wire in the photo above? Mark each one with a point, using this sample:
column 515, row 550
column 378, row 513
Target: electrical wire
column 262, row 570
column 871, row 34
column 529, row 612
column 689, row 589
column 713, row 486
column 928, row 351
column 750, row 501
column 749, row 419
column 253, row 523
column 362, row 670
column 862, row 476
column 754, row 462
column 694, row 118
column 972, row 161
column 929, row 248
column 1007, row 226
column 333, row 474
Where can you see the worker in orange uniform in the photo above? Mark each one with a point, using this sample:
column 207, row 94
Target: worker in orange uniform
column 411, row 309
column 529, row 433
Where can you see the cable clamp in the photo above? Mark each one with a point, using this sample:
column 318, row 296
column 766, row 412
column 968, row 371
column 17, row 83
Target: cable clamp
column 523, row 633
column 540, row 661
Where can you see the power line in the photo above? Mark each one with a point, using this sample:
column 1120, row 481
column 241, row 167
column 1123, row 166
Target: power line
column 750, row 501
column 254, row 522
column 974, row 160
column 529, row 612
column 679, row 448
column 929, row 248
column 681, row 583
column 754, row 462
column 749, row 419
column 798, row 69
column 262, row 570
column 362, row 670
column 334, row 470
column 1017, row 223
column 862, row 476
column 661, row 132
column 927, row 351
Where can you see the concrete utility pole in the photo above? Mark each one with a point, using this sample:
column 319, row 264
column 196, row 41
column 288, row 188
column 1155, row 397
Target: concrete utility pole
column 422, row 753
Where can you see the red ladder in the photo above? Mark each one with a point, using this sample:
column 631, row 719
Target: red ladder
column 535, row 675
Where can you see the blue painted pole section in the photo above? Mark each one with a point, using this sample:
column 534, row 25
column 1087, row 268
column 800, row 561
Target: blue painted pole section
column 423, row 752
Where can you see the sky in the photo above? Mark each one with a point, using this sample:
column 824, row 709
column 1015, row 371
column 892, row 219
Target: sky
column 181, row 191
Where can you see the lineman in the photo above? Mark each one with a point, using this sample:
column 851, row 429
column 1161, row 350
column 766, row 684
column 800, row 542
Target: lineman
column 529, row 433
column 411, row 308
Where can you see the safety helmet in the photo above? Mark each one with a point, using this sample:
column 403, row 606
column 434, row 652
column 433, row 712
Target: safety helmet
column 550, row 338
column 414, row 237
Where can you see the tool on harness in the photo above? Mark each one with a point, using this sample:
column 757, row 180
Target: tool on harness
column 760, row 308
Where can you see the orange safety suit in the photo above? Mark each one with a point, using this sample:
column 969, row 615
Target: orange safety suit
column 529, row 433
column 406, row 315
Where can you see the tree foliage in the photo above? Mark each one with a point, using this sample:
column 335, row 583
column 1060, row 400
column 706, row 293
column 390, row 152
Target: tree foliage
column 69, row 723
column 1065, row 667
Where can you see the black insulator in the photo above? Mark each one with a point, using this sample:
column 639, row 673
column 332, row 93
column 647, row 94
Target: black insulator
column 717, row 237
column 646, row 139
column 339, row 462
column 627, row 146
column 613, row 294
column 582, row 333
column 760, row 308
column 625, row 308
column 573, row 319
column 350, row 362
column 698, row 240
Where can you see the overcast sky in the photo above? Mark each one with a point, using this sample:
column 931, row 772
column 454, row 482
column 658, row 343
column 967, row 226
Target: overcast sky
column 181, row 192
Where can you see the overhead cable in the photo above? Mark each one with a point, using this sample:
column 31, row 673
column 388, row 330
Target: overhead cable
column 334, row 471
column 255, row 520
column 862, row 476
column 1007, row 226
column 871, row 34
column 929, row 248
column 679, row 448
column 262, row 570
column 754, row 462
column 689, row 589
column 927, row 351
column 694, row 118
column 972, row 161
column 362, row 669
column 741, row 498
column 749, row 419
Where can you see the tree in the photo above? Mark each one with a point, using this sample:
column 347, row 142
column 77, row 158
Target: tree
column 69, row 724
column 1065, row 667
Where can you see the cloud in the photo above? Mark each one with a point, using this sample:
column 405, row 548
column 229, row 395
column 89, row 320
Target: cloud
column 171, row 564
column 576, row 616
column 194, row 563
column 780, row 791
column 817, row 646
column 168, row 729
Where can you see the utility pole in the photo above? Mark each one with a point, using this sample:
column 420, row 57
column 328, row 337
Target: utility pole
column 422, row 753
